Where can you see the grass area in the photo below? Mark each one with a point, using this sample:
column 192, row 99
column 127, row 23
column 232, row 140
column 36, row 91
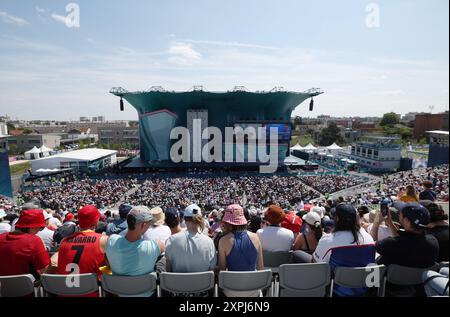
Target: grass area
column 19, row 169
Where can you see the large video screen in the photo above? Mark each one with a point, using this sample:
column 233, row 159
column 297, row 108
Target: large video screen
column 284, row 130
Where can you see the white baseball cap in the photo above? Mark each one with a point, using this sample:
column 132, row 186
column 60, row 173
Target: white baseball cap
column 318, row 210
column 192, row 210
column 313, row 219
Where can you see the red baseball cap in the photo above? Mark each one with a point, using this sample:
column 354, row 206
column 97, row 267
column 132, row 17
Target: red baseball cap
column 32, row 218
column 292, row 222
column 69, row 217
column 88, row 216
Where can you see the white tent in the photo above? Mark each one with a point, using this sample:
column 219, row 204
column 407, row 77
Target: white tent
column 297, row 147
column 330, row 155
column 334, row 146
column 352, row 162
column 33, row 154
column 310, row 147
column 45, row 150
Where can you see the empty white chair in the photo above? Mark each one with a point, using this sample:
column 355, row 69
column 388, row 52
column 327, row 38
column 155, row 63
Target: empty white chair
column 129, row 285
column 69, row 285
column 360, row 277
column 304, row 279
column 273, row 260
column 409, row 277
column 16, row 285
column 246, row 281
column 187, row 283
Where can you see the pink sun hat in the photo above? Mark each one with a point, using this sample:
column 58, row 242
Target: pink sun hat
column 234, row 215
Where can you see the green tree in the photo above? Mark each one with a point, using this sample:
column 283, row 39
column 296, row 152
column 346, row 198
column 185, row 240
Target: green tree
column 390, row 119
column 10, row 126
column 330, row 135
column 27, row 131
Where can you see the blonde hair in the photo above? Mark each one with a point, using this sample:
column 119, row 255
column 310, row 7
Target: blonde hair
column 198, row 221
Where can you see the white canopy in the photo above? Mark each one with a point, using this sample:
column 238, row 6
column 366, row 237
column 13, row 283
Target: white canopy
column 310, row 147
column 292, row 160
column 334, row 146
column 34, row 150
column 344, row 160
column 47, row 170
column 352, row 162
column 330, row 155
column 322, row 153
column 43, row 148
column 297, row 147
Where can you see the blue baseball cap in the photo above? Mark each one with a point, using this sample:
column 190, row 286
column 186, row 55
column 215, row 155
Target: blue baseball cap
column 124, row 209
column 172, row 213
column 418, row 215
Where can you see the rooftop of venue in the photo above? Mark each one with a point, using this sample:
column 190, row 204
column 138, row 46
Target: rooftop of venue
column 83, row 155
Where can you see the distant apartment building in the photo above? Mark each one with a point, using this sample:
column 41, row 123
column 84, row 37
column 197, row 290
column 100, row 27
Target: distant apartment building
column 99, row 119
column 410, row 116
column 376, row 153
column 94, row 126
column 84, row 119
column 3, row 128
column 119, row 135
column 428, row 122
column 25, row 142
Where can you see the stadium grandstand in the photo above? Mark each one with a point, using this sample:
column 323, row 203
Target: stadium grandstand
column 317, row 234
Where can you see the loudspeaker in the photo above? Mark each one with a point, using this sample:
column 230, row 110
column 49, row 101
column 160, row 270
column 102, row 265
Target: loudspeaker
column 121, row 104
column 311, row 105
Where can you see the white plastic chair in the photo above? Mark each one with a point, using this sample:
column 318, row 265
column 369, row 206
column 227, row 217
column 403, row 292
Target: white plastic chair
column 358, row 277
column 405, row 276
column 129, row 285
column 304, row 279
column 187, row 283
column 272, row 261
column 69, row 285
column 246, row 281
column 17, row 285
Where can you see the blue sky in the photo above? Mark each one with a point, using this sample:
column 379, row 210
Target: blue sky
column 51, row 71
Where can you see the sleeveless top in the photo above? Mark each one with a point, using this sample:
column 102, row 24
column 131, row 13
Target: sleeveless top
column 308, row 249
column 243, row 255
column 83, row 249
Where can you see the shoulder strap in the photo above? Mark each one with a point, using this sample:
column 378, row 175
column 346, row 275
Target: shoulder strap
column 306, row 241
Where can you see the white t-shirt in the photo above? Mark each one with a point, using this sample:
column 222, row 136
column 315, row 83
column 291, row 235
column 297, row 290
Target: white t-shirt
column 161, row 233
column 338, row 239
column 55, row 221
column 5, row 227
column 47, row 237
column 275, row 239
column 383, row 231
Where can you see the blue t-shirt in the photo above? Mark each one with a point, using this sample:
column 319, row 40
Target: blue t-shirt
column 132, row 258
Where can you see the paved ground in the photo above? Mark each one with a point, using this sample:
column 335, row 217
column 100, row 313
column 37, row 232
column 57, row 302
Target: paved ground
column 17, row 162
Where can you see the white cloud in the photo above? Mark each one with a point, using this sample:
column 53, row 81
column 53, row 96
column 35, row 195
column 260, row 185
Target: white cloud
column 183, row 54
column 12, row 19
column 396, row 92
column 59, row 18
column 350, row 88
column 229, row 44
column 405, row 62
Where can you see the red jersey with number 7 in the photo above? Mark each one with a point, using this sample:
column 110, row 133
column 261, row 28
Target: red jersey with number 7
column 82, row 249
